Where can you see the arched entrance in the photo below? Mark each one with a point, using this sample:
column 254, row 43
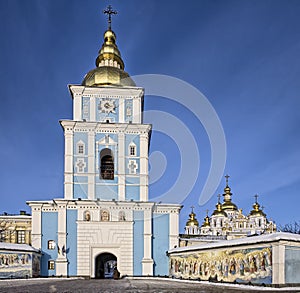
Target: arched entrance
column 104, row 265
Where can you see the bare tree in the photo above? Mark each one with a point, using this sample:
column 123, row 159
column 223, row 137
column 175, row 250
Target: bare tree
column 291, row 227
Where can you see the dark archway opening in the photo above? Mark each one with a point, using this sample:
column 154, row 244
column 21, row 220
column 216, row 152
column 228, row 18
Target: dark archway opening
column 106, row 164
column 104, row 265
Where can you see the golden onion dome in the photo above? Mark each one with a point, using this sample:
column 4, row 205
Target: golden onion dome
column 228, row 204
column 206, row 222
column 218, row 211
column 110, row 66
column 192, row 221
column 257, row 211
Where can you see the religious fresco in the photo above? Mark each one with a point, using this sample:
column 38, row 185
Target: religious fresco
column 244, row 265
column 15, row 265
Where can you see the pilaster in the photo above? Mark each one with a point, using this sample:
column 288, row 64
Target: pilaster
column 173, row 229
column 77, row 108
column 68, row 188
column 147, row 262
column 144, row 167
column 278, row 263
column 36, row 230
column 91, row 165
column 61, row 261
column 121, row 166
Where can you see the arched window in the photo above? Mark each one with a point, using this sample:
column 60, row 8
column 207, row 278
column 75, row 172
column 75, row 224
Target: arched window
column 122, row 216
column 80, row 147
column 107, row 164
column 87, row 216
column 132, row 150
column 104, row 216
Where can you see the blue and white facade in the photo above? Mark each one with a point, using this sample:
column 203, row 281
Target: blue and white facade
column 105, row 210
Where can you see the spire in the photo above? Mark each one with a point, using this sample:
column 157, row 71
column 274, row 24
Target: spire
column 218, row 211
column 192, row 221
column 109, row 54
column 257, row 211
column 228, row 205
column 206, row 220
column 109, row 64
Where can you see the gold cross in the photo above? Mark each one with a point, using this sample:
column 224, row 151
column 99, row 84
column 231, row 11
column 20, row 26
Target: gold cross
column 109, row 12
column 227, row 176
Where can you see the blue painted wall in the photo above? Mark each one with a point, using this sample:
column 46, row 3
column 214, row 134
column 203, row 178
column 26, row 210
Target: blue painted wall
column 138, row 242
column 49, row 232
column 160, row 244
column 71, row 245
column 132, row 192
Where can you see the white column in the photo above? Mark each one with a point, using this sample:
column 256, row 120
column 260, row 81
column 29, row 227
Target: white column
column 91, row 165
column 36, row 226
column 144, row 167
column 93, row 109
column 121, row 166
column 68, row 164
column 137, row 110
column 77, row 107
column 173, row 229
column 278, row 263
column 121, row 110
column 61, row 262
column 147, row 262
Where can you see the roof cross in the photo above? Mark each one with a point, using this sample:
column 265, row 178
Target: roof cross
column 256, row 196
column 109, row 11
column 226, row 176
column 192, row 207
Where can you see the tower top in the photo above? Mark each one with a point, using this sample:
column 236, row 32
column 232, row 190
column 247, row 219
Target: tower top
column 109, row 69
column 109, row 11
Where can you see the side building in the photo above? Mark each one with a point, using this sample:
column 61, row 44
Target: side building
column 227, row 221
column 15, row 228
column 105, row 219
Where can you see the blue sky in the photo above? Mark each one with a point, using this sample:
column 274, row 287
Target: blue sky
column 244, row 56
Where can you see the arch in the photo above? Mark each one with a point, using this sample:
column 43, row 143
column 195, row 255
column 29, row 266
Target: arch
column 104, row 216
column 122, row 216
column 105, row 264
column 87, row 216
column 107, row 164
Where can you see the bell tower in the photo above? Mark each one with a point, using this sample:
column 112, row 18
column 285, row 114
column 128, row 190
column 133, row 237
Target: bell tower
column 106, row 143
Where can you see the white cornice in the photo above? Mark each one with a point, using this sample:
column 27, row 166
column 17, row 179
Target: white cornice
column 106, row 91
column 106, row 127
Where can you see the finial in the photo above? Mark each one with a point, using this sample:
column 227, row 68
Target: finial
column 192, row 207
column 219, row 196
column 227, row 176
column 207, row 213
column 256, row 196
column 109, row 12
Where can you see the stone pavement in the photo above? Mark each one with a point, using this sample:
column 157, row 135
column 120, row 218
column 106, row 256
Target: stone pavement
column 127, row 285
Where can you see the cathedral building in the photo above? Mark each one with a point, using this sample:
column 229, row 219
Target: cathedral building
column 105, row 220
column 228, row 222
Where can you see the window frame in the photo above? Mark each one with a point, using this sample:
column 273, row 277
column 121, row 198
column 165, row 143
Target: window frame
column 51, row 265
column 51, row 244
column 21, row 236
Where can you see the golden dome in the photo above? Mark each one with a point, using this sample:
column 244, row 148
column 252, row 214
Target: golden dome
column 192, row 221
column 110, row 66
column 218, row 211
column 256, row 210
column 228, row 204
column 206, row 222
